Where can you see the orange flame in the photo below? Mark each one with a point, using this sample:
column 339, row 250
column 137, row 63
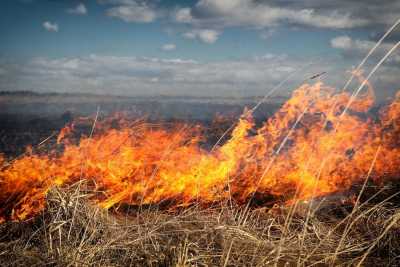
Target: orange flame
column 308, row 148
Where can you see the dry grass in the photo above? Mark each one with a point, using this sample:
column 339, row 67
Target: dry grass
column 74, row 232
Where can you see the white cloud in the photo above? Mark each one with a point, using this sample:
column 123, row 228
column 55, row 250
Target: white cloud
column 168, row 47
column 80, row 9
column 51, row 27
column 215, row 15
column 155, row 76
column 226, row 13
column 205, row 35
column 132, row 11
column 189, row 35
column 346, row 43
column 340, row 14
column 359, row 48
column 149, row 76
column 260, row 14
column 208, row 36
column 183, row 15
column 342, row 42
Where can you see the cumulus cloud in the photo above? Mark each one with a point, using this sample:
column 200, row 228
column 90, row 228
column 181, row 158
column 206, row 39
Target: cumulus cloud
column 341, row 14
column 215, row 15
column 346, row 43
column 80, row 9
column 342, row 42
column 49, row 26
column 168, row 47
column 150, row 76
column 154, row 76
column 261, row 14
column 183, row 15
column 372, row 12
column 205, row 35
column 357, row 48
column 132, row 11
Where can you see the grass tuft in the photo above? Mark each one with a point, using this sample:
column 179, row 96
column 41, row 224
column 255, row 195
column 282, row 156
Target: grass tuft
column 72, row 231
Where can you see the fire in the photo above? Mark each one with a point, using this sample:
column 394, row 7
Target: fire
column 309, row 148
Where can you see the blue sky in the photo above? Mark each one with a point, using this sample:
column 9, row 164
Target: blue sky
column 170, row 47
column 97, row 33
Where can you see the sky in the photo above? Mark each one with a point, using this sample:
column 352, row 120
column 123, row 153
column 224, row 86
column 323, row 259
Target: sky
column 191, row 47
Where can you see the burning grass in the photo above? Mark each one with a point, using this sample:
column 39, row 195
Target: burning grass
column 71, row 231
column 132, row 193
column 310, row 148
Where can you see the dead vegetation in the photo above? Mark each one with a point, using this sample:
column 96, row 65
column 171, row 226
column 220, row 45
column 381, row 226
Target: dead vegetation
column 72, row 231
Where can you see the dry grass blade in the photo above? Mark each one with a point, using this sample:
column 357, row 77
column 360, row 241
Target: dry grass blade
column 194, row 237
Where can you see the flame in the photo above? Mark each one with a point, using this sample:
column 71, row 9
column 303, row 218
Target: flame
column 309, row 148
